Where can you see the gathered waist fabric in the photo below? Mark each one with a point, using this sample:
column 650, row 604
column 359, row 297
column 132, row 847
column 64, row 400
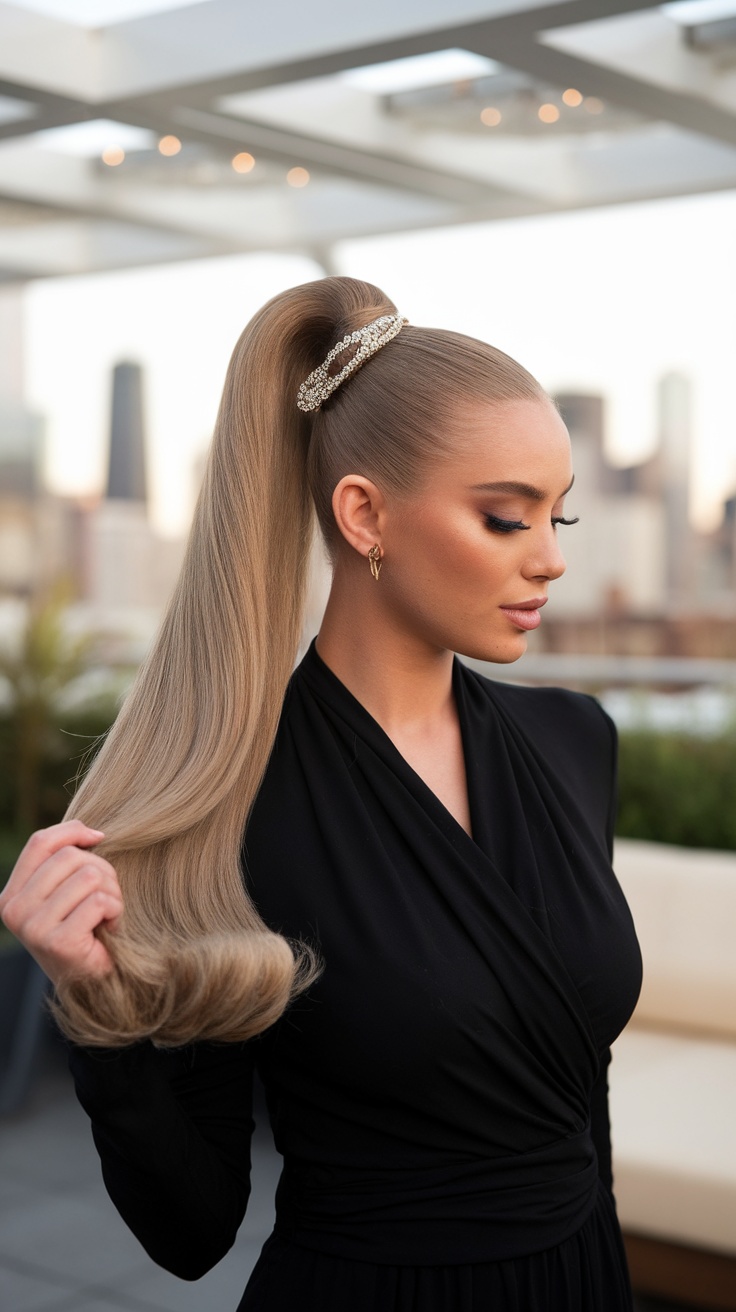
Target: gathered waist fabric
column 477, row 1210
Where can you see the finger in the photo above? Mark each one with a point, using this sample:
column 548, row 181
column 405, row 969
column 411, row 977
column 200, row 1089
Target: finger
column 87, row 883
column 83, row 871
column 42, row 844
column 61, row 866
column 74, row 950
column 59, row 929
column 47, row 932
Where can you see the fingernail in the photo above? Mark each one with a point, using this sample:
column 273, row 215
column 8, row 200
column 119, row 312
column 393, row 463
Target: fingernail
column 96, row 831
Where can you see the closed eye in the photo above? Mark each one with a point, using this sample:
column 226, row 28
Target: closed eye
column 498, row 525
column 504, row 525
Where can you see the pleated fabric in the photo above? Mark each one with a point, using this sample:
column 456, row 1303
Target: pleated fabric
column 586, row 1273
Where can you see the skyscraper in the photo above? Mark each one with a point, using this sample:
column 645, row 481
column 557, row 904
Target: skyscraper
column 584, row 416
column 674, row 406
column 126, row 480
column 616, row 556
column 131, row 568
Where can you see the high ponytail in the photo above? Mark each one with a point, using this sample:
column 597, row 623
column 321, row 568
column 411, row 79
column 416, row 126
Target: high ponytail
column 175, row 780
column 174, row 783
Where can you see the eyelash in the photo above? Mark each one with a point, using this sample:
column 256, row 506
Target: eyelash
column 512, row 525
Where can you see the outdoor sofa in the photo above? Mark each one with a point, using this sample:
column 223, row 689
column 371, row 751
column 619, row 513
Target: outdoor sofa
column 673, row 1077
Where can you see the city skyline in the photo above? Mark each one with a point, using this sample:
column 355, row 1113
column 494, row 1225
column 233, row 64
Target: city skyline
column 603, row 302
column 634, row 563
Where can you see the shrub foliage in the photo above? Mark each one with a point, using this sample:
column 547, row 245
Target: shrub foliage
column 677, row 788
column 67, row 741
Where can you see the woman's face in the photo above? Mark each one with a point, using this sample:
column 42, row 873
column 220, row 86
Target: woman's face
column 470, row 556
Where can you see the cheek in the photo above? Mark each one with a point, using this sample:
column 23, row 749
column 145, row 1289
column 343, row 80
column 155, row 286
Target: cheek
column 479, row 555
column 440, row 559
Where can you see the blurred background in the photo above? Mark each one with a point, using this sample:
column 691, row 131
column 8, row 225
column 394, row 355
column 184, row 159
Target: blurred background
column 557, row 178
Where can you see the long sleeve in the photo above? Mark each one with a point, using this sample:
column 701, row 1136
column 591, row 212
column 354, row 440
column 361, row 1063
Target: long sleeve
column 173, row 1132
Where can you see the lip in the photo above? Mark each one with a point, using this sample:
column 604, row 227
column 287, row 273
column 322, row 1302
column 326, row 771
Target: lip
column 525, row 614
column 536, row 603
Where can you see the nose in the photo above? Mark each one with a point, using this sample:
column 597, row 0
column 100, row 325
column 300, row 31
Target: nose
column 546, row 560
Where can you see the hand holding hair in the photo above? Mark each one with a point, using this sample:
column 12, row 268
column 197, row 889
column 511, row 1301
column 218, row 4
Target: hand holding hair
column 58, row 895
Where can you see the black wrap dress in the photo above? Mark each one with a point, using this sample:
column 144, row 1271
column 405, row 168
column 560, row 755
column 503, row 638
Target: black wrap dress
column 439, row 1095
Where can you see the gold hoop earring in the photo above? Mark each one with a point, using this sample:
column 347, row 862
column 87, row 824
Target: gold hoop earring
column 374, row 557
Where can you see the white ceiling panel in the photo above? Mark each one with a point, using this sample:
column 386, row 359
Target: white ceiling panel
column 174, row 130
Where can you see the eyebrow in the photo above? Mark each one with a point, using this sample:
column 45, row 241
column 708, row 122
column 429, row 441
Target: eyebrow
column 518, row 489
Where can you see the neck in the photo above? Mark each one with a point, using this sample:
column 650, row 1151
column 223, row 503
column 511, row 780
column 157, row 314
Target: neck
column 404, row 682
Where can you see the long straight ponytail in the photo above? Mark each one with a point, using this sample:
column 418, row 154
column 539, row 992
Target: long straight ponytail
column 174, row 782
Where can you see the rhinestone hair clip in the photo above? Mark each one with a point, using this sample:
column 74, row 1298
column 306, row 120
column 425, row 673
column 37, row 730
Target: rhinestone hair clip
column 319, row 385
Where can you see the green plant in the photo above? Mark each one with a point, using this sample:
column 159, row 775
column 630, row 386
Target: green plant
column 70, row 738
column 37, row 670
column 678, row 788
column 43, row 746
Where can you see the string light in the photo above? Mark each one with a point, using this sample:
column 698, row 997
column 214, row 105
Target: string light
column 243, row 162
column 548, row 113
column 297, row 177
column 593, row 105
column 490, row 116
column 113, row 155
column 572, row 97
column 169, row 145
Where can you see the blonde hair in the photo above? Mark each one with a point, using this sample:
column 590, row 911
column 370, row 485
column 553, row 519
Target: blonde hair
column 174, row 782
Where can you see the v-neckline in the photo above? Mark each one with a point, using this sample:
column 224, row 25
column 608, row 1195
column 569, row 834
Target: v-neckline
column 390, row 745
column 475, row 853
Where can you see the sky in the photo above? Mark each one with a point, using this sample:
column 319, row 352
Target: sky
column 603, row 300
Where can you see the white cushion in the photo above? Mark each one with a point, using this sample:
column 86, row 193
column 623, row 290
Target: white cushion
column 684, row 906
column 673, row 1125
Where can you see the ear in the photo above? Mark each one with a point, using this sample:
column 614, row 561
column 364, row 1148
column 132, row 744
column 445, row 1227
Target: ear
column 359, row 508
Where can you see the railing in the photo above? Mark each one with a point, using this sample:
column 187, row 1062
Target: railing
column 593, row 671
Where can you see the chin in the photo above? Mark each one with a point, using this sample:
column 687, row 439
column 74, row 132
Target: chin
column 503, row 653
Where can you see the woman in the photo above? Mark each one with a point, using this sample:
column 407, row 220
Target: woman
column 414, row 858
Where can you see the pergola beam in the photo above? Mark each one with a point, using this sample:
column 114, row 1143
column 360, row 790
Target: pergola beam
column 225, row 78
